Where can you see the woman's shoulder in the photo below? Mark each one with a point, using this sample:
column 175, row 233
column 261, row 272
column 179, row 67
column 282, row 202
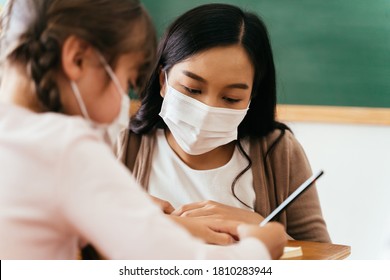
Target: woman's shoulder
column 130, row 143
column 284, row 138
column 129, row 135
column 279, row 144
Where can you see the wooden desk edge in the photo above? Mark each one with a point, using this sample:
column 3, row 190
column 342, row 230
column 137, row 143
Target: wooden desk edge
column 320, row 251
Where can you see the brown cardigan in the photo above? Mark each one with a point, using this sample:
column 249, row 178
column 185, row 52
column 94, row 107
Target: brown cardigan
column 285, row 169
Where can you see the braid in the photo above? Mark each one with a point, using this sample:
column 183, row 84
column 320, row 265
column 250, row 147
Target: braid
column 44, row 58
column 39, row 50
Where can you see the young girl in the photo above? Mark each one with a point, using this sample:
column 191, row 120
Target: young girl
column 205, row 138
column 67, row 67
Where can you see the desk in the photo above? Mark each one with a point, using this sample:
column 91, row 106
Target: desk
column 320, row 251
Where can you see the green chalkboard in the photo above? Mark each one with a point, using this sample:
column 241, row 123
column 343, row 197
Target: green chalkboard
column 333, row 52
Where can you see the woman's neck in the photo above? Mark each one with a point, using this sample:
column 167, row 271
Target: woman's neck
column 18, row 89
column 210, row 160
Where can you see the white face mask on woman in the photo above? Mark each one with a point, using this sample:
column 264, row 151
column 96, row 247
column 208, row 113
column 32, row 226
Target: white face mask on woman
column 110, row 131
column 197, row 127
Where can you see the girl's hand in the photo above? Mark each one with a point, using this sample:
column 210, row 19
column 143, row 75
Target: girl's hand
column 272, row 235
column 217, row 210
column 164, row 205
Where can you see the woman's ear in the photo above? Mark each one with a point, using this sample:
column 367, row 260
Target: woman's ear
column 74, row 52
column 162, row 82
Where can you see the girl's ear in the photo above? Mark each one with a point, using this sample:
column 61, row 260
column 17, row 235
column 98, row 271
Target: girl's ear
column 73, row 57
column 162, row 82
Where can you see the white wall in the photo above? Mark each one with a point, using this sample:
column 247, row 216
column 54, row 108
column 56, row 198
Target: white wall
column 355, row 189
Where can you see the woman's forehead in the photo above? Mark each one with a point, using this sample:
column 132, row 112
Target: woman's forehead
column 230, row 61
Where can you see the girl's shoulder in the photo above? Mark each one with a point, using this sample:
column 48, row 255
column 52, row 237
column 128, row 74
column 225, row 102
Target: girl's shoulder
column 45, row 130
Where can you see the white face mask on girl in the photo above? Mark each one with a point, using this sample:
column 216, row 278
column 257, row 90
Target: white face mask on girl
column 110, row 131
column 197, row 127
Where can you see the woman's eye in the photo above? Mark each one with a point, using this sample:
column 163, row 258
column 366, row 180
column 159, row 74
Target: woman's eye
column 231, row 100
column 191, row 90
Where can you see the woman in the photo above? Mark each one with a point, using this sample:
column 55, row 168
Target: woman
column 68, row 65
column 205, row 141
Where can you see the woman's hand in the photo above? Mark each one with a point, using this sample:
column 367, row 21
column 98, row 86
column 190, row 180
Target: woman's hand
column 217, row 210
column 210, row 230
column 164, row 205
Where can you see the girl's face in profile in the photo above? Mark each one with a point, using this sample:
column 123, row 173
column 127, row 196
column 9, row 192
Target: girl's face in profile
column 100, row 94
column 218, row 77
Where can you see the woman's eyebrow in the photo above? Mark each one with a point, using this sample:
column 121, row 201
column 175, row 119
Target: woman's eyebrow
column 194, row 76
column 200, row 79
column 238, row 85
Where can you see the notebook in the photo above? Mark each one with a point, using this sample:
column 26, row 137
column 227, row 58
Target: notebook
column 291, row 252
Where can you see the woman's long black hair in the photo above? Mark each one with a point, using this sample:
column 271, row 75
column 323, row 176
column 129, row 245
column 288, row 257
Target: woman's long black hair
column 203, row 28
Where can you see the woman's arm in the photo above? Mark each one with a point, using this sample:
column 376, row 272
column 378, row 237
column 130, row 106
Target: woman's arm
column 291, row 168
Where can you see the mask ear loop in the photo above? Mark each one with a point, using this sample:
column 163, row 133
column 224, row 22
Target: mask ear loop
column 111, row 73
column 77, row 93
column 166, row 81
column 166, row 77
column 80, row 101
column 121, row 92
